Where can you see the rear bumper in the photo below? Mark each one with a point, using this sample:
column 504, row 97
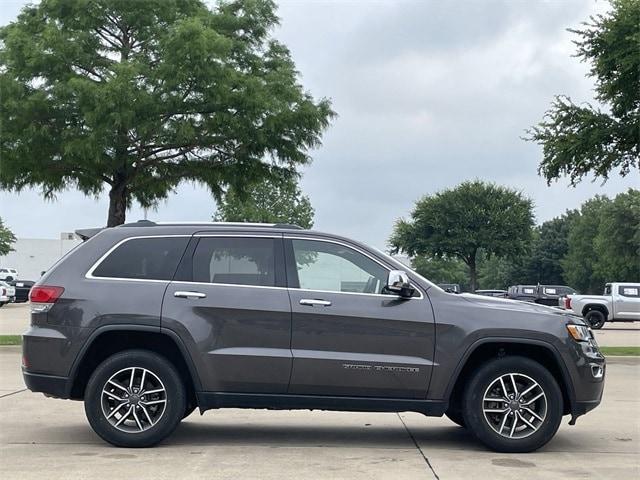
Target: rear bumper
column 50, row 385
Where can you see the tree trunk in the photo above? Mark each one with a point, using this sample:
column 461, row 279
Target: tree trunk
column 473, row 274
column 117, row 205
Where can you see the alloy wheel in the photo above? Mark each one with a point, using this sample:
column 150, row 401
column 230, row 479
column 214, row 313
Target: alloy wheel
column 514, row 405
column 133, row 399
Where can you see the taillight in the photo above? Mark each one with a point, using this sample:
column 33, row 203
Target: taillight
column 4, row 292
column 45, row 294
column 567, row 303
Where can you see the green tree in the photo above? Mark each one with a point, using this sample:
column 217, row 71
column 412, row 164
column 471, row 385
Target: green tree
column 463, row 222
column 7, row 239
column 442, row 270
column 267, row 202
column 138, row 96
column 582, row 139
column 617, row 243
column 578, row 266
column 549, row 247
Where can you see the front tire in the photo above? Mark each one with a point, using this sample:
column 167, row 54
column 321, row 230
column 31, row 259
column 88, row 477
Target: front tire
column 595, row 319
column 513, row 405
column 135, row 398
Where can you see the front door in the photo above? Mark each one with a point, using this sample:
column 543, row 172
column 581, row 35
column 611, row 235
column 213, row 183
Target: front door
column 349, row 338
column 229, row 302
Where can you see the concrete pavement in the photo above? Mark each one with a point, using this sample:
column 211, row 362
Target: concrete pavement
column 47, row 438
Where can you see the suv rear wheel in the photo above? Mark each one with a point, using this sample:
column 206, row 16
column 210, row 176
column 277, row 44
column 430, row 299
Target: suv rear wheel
column 513, row 404
column 134, row 398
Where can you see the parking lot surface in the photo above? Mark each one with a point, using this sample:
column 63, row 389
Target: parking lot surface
column 48, row 438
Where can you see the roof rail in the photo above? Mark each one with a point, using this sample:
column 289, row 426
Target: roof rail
column 149, row 223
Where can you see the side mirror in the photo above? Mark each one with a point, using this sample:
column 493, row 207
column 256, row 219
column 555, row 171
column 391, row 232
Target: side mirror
column 398, row 283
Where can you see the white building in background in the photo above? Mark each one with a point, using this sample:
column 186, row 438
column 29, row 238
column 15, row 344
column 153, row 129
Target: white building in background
column 32, row 256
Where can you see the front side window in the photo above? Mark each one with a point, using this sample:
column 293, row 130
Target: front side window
column 336, row 268
column 529, row 291
column 235, row 261
column 144, row 259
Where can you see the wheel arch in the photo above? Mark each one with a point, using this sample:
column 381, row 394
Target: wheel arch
column 488, row 348
column 595, row 306
column 108, row 340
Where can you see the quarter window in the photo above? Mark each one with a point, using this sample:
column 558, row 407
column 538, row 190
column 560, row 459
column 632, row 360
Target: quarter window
column 144, row 259
column 235, row 261
column 336, row 268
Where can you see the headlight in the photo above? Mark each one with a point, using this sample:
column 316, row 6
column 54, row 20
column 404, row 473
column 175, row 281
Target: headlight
column 580, row 333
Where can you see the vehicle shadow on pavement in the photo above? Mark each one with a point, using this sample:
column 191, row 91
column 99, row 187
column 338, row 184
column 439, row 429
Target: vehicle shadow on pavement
column 315, row 435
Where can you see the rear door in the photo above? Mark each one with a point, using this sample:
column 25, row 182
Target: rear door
column 228, row 301
column 348, row 337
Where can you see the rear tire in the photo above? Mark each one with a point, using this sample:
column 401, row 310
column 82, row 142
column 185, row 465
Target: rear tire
column 595, row 319
column 525, row 417
column 135, row 398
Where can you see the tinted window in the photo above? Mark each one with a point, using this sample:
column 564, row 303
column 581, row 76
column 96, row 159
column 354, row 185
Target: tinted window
column 335, row 268
column 237, row 261
column 629, row 290
column 144, row 258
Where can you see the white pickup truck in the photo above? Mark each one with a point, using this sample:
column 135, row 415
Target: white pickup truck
column 619, row 303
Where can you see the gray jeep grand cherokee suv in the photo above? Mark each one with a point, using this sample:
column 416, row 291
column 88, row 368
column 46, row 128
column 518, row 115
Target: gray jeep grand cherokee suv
column 146, row 322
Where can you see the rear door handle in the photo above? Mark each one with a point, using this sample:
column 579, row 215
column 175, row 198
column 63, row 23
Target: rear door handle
column 189, row 295
column 312, row 302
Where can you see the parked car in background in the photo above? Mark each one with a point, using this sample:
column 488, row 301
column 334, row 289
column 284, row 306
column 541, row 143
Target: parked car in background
column 620, row 302
column 8, row 293
column 8, row 274
column 147, row 322
column 450, row 287
column 492, row 293
column 542, row 294
column 23, row 287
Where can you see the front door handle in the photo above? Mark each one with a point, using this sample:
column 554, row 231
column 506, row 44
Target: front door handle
column 312, row 302
column 189, row 295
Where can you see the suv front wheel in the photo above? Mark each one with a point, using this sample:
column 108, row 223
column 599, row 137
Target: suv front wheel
column 513, row 404
column 134, row 398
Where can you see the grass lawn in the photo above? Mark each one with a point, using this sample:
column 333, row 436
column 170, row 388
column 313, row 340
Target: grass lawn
column 613, row 351
column 10, row 340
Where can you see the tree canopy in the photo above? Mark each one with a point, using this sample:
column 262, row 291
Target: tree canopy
column 7, row 239
column 582, row 139
column 463, row 222
column 136, row 97
column 267, row 202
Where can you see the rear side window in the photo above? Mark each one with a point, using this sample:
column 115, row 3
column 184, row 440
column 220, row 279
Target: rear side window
column 144, row 259
column 629, row 291
column 235, row 261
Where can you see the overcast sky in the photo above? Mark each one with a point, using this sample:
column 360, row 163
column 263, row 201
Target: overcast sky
column 428, row 93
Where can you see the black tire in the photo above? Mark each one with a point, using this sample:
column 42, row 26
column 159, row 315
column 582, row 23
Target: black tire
column 595, row 319
column 456, row 417
column 480, row 423
column 161, row 371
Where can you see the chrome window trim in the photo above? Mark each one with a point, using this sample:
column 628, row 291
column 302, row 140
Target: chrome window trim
column 89, row 275
column 359, row 250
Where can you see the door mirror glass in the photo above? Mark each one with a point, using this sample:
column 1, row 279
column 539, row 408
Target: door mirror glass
column 398, row 283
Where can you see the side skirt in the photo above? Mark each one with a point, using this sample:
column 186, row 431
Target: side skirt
column 211, row 400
